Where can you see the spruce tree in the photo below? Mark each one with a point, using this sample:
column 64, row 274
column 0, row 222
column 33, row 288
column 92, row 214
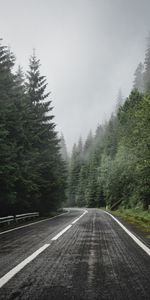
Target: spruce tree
column 147, row 66
column 119, row 101
column 138, row 78
column 88, row 145
column 63, row 148
column 50, row 168
column 82, row 186
column 8, row 167
column 75, row 167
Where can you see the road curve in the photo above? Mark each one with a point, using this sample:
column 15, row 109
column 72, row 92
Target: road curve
column 89, row 257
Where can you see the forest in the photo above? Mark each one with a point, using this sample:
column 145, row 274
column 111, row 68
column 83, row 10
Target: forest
column 112, row 167
column 32, row 171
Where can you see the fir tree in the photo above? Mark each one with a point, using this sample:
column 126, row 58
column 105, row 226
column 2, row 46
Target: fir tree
column 119, row 100
column 147, row 67
column 45, row 141
column 138, row 78
column 63, row 148
column 8, row 167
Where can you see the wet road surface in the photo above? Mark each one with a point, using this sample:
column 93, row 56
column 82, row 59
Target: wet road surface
column 94, row 259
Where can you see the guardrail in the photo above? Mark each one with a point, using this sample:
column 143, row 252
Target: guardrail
column 26, row 216
column 7, row 219
column 16, row 218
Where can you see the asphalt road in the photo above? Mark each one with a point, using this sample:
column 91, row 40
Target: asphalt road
column 93, row 259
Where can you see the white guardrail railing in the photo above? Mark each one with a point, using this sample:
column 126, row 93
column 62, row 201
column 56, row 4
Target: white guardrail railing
column 16, row 218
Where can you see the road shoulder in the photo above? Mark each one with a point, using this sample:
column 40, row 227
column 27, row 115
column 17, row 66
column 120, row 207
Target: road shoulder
column 136, row 230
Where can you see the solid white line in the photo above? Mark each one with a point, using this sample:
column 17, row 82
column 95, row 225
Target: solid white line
column 60, row 233
column 33, row 223
column 144, row 247
column 19, row 267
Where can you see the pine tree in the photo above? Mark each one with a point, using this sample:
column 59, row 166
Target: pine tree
column 147, row 67
column 88, row 145
column 63, row 148
column 50, row 168
column 82, row 185
column 138, row 78
column 8, row 167
column 110, row 140
column 32, row 172
column 20, row 81
column 75, row 167
column 119, row 100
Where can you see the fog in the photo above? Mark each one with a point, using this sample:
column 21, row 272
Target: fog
column 89, row 49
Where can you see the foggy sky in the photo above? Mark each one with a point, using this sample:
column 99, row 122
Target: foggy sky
column 88, row 50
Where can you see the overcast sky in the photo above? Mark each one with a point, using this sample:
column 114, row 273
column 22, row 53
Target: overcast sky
column 88, row 50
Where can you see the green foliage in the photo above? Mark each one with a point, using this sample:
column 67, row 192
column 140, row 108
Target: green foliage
column 147, row 67
column 74, row 171
column 116, row 170
column 138, row 78
column 32, row 172
column 137, row 217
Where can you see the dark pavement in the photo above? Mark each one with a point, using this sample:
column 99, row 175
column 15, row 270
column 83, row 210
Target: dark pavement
column 94, row 259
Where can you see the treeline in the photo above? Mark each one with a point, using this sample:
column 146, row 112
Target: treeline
column 112, row 167
column 32, row 172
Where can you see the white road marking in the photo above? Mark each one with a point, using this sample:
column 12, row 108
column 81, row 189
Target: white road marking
column 85, row 212
column 68, row 227
column 33, row 223
column 15, row 270
column 144, row 247
column 76, row 220
column 60, row 233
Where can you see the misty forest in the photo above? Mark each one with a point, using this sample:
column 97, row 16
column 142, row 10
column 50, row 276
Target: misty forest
column 110, row 168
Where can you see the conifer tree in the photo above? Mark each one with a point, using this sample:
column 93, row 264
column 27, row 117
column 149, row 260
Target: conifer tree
column 138, row 78
column 119, row 101
column 8, row 166
column 44, row 139
column 147, row 66
column 63, row 148
column 75, row 167
column 88, row 145
column 32, row 172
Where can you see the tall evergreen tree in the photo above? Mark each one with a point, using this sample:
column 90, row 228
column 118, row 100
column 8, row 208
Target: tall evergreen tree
column 44, row 139
column 63, row 148
column 88, row 145
column 138, row 78
column 8, row 167
column 119, row 100
column 32, row 172
column 75, row 167
column 147, row 66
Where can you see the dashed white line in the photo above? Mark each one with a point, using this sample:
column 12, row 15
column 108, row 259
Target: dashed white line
column 15, row 270
column 68, row 227
column 60, row 233
column 85, row 212
column 136, row 240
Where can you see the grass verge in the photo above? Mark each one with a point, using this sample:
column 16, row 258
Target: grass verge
column 137, row 217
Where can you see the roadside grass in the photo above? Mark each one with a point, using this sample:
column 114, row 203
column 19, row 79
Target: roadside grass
column 137, row 217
